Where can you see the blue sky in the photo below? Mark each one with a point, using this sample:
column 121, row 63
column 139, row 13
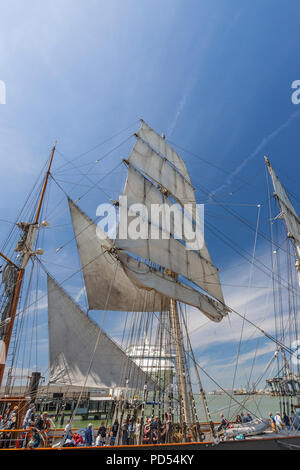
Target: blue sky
column 215, row 76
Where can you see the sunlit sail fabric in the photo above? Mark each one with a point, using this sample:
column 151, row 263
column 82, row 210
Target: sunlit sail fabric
column 159, row 170
column 144, row 276
column 290, row 216
column 170, row 253
column 107, row 286
column 157, row 142
column 139, row 287
column 288, row 213
column 72, row 339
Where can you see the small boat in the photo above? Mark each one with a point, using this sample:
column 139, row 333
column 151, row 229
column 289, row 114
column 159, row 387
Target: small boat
column 253, row 428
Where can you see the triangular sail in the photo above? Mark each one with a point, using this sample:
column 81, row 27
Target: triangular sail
column 102, row 274
column 72, row 339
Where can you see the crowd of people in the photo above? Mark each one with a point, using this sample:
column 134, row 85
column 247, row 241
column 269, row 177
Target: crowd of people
column 129, row 432
column 37, row 430
column 240, row 419
column 279, row 422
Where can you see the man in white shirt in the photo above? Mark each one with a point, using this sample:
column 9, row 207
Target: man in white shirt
column 278, row 421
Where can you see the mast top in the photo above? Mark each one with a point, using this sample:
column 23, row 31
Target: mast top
column 44, row 185
column 267, row 161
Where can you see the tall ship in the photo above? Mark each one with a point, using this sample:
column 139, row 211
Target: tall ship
column 146, row 266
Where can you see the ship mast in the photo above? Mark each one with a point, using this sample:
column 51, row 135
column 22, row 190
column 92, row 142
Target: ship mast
column 26, row 251
column 181, row 373
column 180, row 355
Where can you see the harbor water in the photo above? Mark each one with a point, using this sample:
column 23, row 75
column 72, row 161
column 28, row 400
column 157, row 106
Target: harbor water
column 260, row 406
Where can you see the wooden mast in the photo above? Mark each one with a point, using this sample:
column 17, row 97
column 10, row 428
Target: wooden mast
column 21, row 270
column 44, row 185
column 179, row 351
column 185, row 409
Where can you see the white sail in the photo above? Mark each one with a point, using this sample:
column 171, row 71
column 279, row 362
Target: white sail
column 290, row 216
column 170, row 253
column 145, row 277
column 159, row 170
column 287, row 212
column 159, row 144
column 72, row 339
column 102, row 274
column 140, row 190
column 139, row 287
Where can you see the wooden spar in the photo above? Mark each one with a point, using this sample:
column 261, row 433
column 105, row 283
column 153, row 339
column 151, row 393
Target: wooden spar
column 8, row 260
column 21, row 271
column 44, row 186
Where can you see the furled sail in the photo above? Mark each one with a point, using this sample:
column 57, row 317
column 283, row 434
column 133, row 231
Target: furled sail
column 170, row 253
column 136, row 286
column 72, row 339
column 146, row 277
column 287, row 212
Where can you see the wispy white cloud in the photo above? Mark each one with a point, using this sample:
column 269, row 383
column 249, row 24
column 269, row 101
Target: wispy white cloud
column 181, row 105
column 80, row 294
column 258, row 149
